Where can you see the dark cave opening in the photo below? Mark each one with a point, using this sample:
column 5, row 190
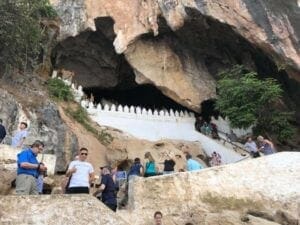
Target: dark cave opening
column 208, row 110
column 146, row 96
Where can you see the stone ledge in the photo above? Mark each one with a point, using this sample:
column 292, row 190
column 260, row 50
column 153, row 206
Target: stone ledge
column 56, row 209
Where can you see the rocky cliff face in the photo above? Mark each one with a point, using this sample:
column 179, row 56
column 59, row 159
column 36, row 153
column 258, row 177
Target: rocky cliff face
column 56, row 209
column 180, row 46
column 27, row 101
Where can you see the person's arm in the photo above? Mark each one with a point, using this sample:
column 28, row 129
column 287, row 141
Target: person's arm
column 21, row 142
column 141, row 171
column 92, row 177
column 102, row 186
column 71, row 169
column 270, row 143
column 188, row 166
column 27, row 165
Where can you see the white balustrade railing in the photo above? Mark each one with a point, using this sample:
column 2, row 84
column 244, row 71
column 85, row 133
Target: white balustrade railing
column 152, row 125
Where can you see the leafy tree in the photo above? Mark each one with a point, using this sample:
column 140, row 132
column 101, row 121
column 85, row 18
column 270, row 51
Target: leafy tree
column 247, row 100
column 20, row 30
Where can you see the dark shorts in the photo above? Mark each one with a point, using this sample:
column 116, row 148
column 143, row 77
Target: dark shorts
column 78, row 190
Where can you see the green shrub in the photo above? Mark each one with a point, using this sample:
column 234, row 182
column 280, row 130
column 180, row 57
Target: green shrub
column 247, row 100
column 46, row 10
column 59, row 90
column 81, row 116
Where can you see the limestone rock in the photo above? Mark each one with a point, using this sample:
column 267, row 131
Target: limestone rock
column 273, row 27
column 264, row 185
column 123, row 149
column 180, row 77
column 24, row 103
column 211, row 36
column 56, row 209
column 7, row 176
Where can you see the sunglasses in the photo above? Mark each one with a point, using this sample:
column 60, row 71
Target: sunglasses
column 83, row 154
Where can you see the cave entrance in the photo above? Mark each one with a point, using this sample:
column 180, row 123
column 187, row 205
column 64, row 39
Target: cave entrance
column 208, row 109
column 105, row 74
column 146, row 96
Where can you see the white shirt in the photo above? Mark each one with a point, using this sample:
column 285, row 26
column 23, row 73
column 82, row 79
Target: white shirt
column 81, row 177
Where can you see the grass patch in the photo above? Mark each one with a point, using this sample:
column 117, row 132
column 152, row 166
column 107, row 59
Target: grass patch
column 230, row 203
column 81, row 116
column 58, row 90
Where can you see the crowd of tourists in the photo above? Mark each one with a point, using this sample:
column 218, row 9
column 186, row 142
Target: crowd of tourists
column 81, row 175
column 263, row 145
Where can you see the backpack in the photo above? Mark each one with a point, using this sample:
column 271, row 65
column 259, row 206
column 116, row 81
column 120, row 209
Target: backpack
column 150, row 168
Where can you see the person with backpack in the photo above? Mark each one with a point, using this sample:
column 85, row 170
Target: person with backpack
column 150, row 167
column 136, row 169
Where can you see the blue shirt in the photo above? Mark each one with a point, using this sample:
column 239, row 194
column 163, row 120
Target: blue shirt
column 27, row 155
column 193, row 165
column 16, row 139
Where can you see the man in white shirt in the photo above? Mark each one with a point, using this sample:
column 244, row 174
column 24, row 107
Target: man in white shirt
column 81, row 174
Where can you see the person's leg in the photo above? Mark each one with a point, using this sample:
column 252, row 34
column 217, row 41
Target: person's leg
column 33, row 186
column 23, row 184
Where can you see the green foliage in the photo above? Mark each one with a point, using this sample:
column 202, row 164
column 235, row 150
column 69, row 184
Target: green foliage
column 81, row 116
column 278, row 122
column 46, row 10
column 247, row 100
column 20, row 30
column 59, row 90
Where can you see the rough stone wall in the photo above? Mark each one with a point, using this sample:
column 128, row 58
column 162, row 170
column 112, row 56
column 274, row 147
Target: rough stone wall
column 271, row 27
column 44, row 121
column 56, row 209
column 266, row 185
